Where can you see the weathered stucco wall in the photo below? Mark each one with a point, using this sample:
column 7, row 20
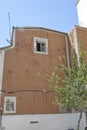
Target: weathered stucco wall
column 21, row 68
column 45, row 122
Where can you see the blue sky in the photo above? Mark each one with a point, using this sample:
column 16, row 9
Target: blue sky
column 59, row 15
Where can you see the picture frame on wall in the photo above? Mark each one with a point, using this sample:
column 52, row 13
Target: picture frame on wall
column 10, row 104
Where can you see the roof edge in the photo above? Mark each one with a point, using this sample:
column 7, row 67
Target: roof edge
column 77, row 26
column 5, row 47
column 43, row 28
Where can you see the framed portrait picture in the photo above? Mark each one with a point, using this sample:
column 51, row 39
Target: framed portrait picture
column 10, row 104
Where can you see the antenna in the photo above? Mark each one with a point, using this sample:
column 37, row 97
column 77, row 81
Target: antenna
column 9, row 25
column 9, row 29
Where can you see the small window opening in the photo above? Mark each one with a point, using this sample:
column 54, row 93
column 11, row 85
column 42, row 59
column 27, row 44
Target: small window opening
column 41, row 47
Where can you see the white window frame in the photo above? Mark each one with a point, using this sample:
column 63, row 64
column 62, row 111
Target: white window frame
column 42, row 41
column 11, row 104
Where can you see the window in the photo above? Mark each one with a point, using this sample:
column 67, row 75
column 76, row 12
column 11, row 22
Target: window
column 41, row 45
column 9, row 104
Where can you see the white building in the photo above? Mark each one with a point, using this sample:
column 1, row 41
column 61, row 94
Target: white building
column 82, row 12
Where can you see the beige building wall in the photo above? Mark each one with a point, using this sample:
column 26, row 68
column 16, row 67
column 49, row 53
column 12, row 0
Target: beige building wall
column 78, row 39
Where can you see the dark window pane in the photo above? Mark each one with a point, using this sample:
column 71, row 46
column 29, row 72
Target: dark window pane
column 38, row 47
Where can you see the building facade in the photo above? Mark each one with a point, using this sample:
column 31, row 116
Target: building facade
column 26, row 100
column 24, row 92
column 33, row 51
column 25, row 95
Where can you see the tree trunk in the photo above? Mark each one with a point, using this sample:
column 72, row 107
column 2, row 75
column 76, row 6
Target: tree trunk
column 80, row 117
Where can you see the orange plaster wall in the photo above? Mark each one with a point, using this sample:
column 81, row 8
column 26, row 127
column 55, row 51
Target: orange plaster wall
column 21, row 68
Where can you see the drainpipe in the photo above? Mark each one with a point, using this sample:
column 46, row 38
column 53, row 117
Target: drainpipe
column 1, row 127
column 76, row 44
column 86, row 120
column 0, row 118
column 2, row 53
column 68, row 53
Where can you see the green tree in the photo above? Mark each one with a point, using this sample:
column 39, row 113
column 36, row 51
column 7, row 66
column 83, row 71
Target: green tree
column 70, row 84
